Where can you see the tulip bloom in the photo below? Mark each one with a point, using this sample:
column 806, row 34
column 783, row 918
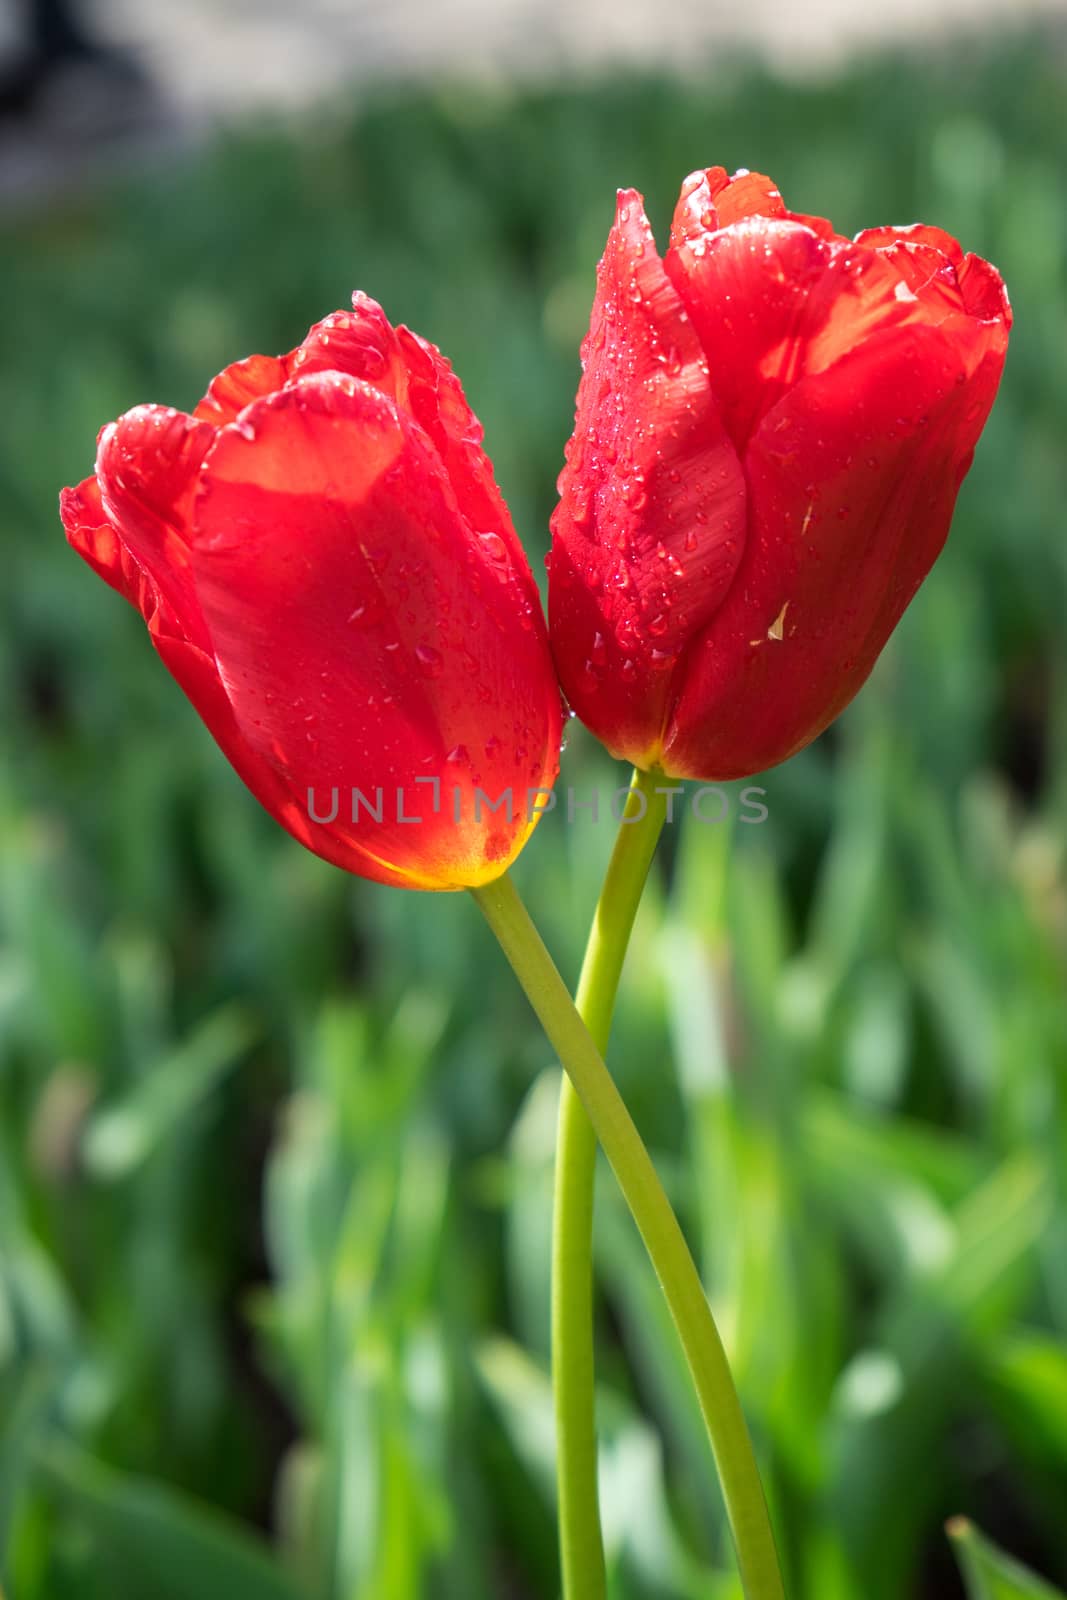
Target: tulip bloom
column 772, row 426
column 327, row 568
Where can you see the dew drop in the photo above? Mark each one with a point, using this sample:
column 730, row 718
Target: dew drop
column 496, row 552
column 581, row 515
column 493, row 545
column 429, row 660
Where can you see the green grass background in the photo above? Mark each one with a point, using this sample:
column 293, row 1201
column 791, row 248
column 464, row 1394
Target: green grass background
column 275, row 1145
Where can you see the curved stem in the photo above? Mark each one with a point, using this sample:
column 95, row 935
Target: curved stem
column 581, row 1545
column 663, row 1237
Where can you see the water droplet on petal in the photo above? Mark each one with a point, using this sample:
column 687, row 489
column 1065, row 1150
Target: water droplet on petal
column 429, row 660
column 496, row 552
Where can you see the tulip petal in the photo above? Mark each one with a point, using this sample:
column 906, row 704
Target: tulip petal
column 831, row 564
column 239, row 384
column 918, row 234
column 773, row 303
column 962, row 295
column 650, row 526
column 711, row 200
column 146, row 467
column 102, row 546
column 196, row 672
column 984, row 294
column 90, row 533
column 361, row 343
column 329, row 542
column 436, row 400
column 930, row 263
column 414, row 373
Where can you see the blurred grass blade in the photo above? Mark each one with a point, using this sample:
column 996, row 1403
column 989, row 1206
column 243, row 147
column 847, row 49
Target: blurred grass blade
column 522, row 1395
column 123, row 1134
column 168, row 1545
column 1027, row 1378
column 991, row 1575
column 24, row 1415
column 639, row 1532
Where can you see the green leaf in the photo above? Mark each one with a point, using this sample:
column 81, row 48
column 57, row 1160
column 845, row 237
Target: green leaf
column 991, row 1575
column 1027, row 1375
column 124, row 1133
column 168, row 1546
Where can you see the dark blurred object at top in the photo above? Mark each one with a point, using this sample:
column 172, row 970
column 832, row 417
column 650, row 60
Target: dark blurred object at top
column 65, row 94
column 55, row 39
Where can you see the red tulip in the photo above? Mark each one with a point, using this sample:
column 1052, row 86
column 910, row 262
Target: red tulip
column 327, row 567
column 772, row 426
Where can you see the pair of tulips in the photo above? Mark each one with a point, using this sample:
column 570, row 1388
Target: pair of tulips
column 772, row 426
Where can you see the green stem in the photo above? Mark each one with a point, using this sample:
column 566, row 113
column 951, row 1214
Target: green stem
column 664, row 1240
column 581, row 1545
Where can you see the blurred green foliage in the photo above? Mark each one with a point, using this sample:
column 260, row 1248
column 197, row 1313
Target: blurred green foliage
column 989, row 1573
column 275, row 1146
